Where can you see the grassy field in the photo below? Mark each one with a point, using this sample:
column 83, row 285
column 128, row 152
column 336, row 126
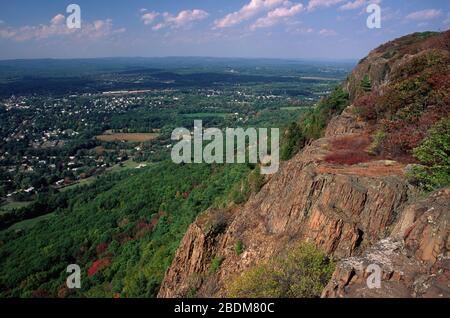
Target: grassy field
column 7, row 207
column 205, row 115
column 86, row 181
column 132, row 137
column 29, row 223
column 129, row 164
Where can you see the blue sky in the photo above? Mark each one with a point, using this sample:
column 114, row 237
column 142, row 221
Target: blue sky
column 314, row 29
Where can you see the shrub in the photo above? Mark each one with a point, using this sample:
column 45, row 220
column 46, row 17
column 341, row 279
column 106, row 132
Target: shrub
column 434, row 152
column 215, row 264
column 366, row 84
column 238, row 247
column 349, row 150
column 252, row 184
column 303, row 272
column 365, row 106
column 347, row 157
column 378, row 137
column 101, row 248
column 98, row 265
column 293, row 140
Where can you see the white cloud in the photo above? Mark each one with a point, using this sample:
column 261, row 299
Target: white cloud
column 428, row 14
column 57, row 27
column 352, row 5
column 182, row 19
column 58, row 19
column 356, row 4
column 327, row 32
column 185, row 17
column 313, row 4
column 274, row 16
column 149, row 17
column 248, row 11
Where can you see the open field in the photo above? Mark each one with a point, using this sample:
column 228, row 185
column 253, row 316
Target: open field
column 31, row 222
column 205, row 115
column 133, row 137
column 7, row 207
column 129, row 164
column 86, row 181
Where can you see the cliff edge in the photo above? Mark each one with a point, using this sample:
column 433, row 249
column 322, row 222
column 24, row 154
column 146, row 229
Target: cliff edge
column 359, row 212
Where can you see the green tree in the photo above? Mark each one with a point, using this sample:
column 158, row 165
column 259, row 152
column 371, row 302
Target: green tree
column 434, row 152
column 293, row 141
column 366, row 84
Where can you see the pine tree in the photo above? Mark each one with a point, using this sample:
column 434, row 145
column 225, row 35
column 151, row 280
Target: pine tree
column 366, row 84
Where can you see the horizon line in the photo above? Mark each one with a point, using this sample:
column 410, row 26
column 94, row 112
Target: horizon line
column 318, row 59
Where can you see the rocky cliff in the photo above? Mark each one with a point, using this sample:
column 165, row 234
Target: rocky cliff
column 359, row 214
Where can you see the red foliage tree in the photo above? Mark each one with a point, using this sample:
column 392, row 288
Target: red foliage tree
column 365, row 105
column 101, row 248
column 98, row 265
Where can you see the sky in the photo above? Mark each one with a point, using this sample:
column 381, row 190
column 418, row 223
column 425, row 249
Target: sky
column 308, row 29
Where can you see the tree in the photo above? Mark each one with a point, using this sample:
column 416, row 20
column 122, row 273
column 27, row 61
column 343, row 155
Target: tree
column 434, row 152
column 293, row 141
column 366, row 84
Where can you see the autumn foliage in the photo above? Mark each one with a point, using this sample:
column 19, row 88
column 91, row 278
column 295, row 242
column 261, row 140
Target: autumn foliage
column 416, row 97
column 98, row 265
column 349, row 150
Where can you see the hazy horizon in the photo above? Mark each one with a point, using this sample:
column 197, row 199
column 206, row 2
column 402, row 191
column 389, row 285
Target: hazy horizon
column 281, row 29
column 296, row 59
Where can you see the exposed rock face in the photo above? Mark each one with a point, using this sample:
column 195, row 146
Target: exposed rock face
column 342, row 212
column 359, row 214
column 415, row 260
column 384, row 61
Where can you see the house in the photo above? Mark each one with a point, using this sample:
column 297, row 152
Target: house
column 30, row 189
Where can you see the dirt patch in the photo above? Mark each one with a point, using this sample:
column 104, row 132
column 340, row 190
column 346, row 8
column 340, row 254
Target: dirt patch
column 133, row 137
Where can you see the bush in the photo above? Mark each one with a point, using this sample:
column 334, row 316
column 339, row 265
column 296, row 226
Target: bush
column 347, row 157
column 378, row 137
column 365, row 106
column 349, row 150
column 434, row 152
column 366, row 84
column 302, row 273
column 251, row 185
column 293, row 140
column 215, row 264
column 238, row 247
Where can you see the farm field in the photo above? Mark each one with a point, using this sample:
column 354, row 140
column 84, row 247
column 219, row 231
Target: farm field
column 131, row 137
